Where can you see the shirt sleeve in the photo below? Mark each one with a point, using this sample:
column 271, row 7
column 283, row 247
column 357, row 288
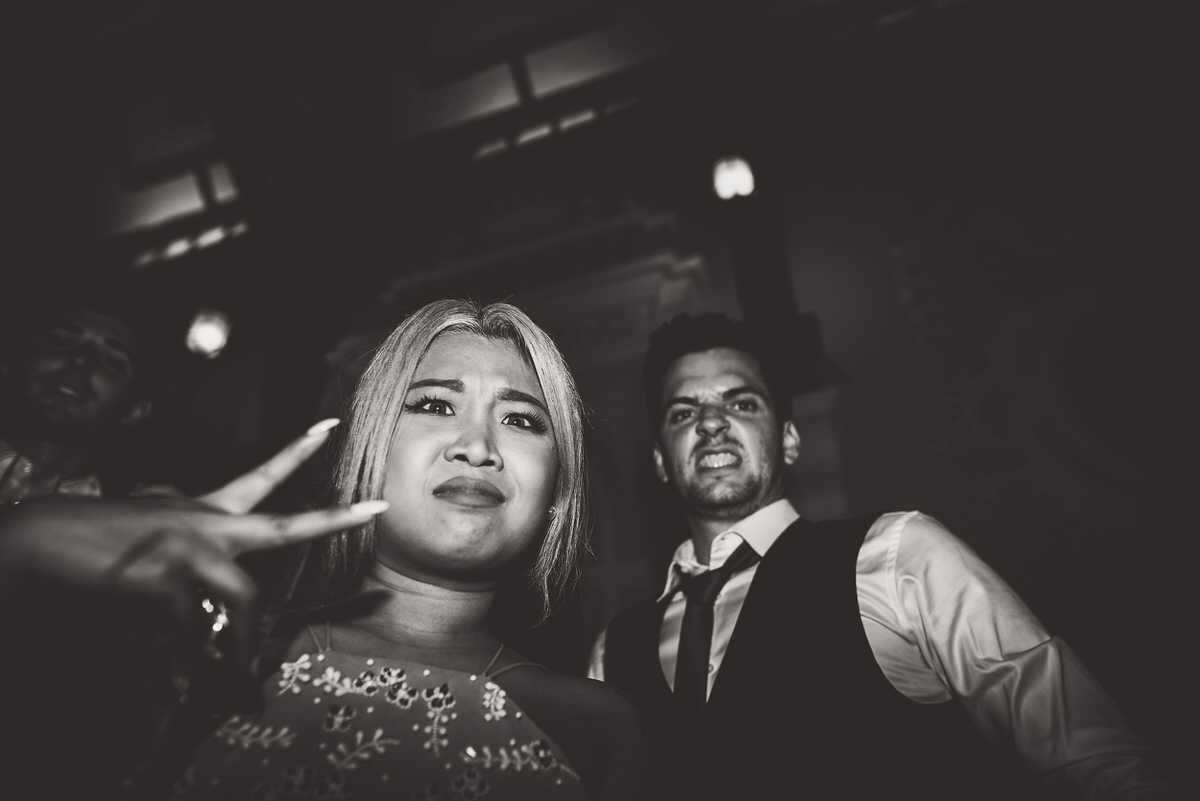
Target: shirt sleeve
column 938, row 616
column 596, row 663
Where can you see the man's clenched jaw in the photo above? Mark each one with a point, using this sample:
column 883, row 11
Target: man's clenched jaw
column 720, row 443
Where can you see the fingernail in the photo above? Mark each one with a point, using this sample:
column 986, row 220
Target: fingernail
column 322, row 427
column 369, row 507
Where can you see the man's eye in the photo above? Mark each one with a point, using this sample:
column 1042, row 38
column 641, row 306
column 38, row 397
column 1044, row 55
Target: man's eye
column 116, row 363
column 679, row 415
column 55, row 340
column 745, row 405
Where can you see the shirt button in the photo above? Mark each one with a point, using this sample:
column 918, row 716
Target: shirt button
column 710, row 667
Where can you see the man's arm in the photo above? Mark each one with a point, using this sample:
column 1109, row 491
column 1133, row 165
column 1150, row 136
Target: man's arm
column 938, row 617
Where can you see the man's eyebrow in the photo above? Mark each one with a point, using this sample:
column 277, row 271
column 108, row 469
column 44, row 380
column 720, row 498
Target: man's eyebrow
column 683, row 399
column 743, row 390
column 118, row 342
column 510, row 394
column 452, row 384
column 121, row 345
column 688, row 400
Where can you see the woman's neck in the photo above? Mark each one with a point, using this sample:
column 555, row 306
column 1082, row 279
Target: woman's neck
column 408, row 612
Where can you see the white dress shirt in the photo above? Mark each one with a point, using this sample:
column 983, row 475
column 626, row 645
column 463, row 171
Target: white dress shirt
column 941, row 625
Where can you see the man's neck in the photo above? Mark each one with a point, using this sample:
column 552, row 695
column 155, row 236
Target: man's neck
column 706, row 525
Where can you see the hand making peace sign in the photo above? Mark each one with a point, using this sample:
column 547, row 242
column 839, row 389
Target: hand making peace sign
column 164, row 548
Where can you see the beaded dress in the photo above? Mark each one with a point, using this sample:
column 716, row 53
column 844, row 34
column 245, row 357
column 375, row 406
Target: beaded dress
column 346, row 726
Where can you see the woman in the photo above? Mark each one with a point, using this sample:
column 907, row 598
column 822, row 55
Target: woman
column 468, row 424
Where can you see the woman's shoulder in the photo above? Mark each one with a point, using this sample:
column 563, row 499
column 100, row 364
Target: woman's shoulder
column 594, row 724
column 595, row 701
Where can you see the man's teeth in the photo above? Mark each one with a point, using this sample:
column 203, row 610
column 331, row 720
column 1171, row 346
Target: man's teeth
column 718, row 460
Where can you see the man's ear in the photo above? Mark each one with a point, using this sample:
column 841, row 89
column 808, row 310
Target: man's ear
column 139, row 412
column 791, row 443
column 658, row 464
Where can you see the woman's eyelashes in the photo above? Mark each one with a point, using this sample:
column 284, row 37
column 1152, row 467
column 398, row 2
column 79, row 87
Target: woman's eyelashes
column 428, row 405
column 528, row 421
column 524, row 421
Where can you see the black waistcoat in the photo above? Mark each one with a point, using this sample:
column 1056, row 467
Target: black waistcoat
column 800, row 704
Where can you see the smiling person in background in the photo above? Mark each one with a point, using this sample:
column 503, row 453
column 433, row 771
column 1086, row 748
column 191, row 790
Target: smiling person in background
column 70, row 384
column 468, row 424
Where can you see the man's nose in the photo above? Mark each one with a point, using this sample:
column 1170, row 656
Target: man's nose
column 475, row 445
column 84, row 354
column 711, row 422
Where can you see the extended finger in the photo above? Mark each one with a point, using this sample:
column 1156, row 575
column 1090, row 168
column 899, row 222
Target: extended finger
column 244, row 493
column 255, row 532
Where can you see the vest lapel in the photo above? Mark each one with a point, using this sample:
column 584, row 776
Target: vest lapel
column 759, row 621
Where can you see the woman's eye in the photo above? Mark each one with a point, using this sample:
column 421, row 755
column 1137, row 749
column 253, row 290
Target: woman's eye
column 525, row 422
column 432, row 407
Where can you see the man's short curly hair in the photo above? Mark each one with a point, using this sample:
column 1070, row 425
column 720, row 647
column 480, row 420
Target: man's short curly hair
column 685, row 334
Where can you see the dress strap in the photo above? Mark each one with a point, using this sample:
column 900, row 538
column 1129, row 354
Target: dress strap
column 487, row 671
column 507, row 668
column 308, row 627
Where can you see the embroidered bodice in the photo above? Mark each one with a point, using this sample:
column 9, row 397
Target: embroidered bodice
column 339, row 725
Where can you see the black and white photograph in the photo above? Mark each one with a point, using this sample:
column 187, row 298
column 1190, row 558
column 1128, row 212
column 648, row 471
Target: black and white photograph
column 599, row 400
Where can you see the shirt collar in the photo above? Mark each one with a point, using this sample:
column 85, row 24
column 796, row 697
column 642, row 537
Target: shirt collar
column 760, row 529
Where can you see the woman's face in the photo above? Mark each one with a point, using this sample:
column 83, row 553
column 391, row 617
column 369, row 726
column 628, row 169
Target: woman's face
column 473, row 465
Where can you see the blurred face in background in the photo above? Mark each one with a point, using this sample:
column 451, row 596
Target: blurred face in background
column 76, row 379
column 473, row 465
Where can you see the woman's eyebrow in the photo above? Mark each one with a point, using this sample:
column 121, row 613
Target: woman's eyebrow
column 452, row 384
column 510, row 394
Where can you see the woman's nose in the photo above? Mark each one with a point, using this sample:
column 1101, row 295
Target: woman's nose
column 476, row 446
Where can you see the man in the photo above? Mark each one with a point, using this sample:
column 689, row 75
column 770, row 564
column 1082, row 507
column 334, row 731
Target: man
column 70, row 387
column 786, row 657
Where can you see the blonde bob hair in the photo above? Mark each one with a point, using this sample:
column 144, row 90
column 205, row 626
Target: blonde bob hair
column 375, row 414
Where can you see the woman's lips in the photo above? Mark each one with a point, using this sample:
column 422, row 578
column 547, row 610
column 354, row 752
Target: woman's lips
column 472, row 492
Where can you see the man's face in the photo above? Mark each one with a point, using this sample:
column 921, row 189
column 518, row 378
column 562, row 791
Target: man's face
column 719, row 441
column 77, row 377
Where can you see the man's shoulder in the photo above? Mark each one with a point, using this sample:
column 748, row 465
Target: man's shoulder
column 916, row 531
column 646, row 607
column 852, row 529
column 913, row 527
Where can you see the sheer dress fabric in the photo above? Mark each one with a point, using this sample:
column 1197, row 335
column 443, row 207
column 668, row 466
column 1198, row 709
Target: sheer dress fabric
column 339, row 725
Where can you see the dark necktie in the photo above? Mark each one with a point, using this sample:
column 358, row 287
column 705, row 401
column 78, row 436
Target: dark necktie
column 695, row 636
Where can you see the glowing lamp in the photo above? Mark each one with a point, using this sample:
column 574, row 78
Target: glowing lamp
column 209, row 333
column 732, row 177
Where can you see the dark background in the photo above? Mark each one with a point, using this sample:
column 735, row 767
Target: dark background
column 988, row 206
